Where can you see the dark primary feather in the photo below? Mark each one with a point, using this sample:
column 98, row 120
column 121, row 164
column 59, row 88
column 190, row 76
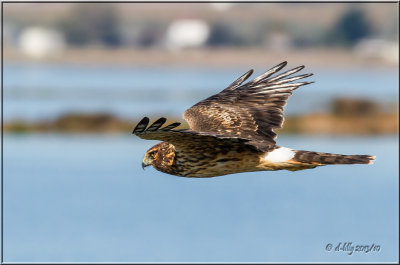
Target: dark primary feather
column 156, row 125
column 267, row 74
column 249, row 111
column 141, row 126
column 171, row 126
column 240, row 80
column 185, row 139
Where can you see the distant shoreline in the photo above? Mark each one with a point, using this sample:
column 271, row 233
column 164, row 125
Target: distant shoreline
column 316, row 123
column 217, row 57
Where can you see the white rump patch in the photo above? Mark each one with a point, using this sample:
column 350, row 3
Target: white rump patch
column 281, row 154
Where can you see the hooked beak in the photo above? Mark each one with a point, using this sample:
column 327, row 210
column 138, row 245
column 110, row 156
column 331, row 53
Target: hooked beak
column 144, row 165
column 146, row 162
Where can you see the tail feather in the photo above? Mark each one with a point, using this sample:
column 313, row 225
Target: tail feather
column 317, row 158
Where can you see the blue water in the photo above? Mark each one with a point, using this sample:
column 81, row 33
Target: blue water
column 37, row 91
column 77, row 198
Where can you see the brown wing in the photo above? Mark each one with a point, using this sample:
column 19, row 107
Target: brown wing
column 183, row 139
column 250, row 111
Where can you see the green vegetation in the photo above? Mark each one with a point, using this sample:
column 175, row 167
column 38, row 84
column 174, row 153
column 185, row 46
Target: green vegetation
column 348, row 116
column 349, row 29
column 88, row 24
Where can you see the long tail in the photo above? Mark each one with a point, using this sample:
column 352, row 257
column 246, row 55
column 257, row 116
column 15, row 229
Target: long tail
column 289, row 159
column 319, row 159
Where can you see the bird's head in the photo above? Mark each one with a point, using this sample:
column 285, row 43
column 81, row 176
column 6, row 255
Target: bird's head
column 160, row 156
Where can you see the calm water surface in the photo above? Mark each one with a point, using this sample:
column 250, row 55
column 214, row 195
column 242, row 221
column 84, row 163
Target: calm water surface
column 82, row 198
column 46, row 91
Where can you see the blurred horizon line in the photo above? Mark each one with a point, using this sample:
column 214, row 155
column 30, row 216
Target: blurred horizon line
column 211, row 57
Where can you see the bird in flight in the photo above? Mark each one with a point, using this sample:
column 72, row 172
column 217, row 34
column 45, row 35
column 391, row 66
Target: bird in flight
column 233, row 131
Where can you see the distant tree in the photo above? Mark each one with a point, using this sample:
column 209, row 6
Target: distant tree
column 91, row 23
column 149, row 36
column 350, row 28
column 224, row 34
column 221, row 35
column 354, row 107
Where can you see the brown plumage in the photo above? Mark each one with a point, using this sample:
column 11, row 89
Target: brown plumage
column 233, row 131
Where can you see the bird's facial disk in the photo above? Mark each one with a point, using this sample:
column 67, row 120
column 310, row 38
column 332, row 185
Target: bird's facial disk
column 150, row 155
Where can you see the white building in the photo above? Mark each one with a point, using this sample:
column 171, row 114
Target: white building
column 38, row 42
column 187, row 33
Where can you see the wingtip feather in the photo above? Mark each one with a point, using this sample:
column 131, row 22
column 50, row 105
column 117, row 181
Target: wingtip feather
column 284, row 63
column 142, row 125
column 240, row 80
column 268, row 73
column 171, row 126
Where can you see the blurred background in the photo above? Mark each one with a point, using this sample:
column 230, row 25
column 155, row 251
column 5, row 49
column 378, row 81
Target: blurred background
column 78, row 76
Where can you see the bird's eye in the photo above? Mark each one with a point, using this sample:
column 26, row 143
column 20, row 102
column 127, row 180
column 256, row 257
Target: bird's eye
column 152, row 154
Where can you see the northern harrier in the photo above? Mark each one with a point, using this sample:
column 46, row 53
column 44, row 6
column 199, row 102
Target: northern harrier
column 233, row 131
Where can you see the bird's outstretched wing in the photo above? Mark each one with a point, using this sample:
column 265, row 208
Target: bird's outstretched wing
column 185, row 139
column 250, row 111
